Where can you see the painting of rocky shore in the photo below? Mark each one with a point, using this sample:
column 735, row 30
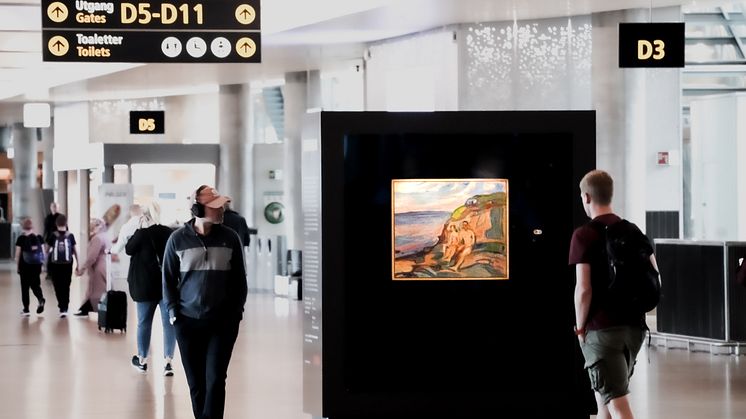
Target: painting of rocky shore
column 454, row 229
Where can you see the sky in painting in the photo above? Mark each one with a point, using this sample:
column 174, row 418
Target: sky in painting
column 411, row 196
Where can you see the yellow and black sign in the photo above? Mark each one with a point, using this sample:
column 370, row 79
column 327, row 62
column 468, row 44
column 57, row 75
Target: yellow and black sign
column 147, row 122
column 178, row 31
column 651, row 44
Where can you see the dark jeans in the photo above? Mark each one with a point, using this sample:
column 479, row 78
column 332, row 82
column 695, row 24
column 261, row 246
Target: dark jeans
column 206, row 346
column 61, row 274
column 30, row 279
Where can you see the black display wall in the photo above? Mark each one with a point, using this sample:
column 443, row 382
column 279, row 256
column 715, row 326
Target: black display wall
column 452, row 348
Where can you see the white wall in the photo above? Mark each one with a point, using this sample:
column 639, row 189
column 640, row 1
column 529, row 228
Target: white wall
column 414, row 73
column 740, row 157
column 267, row 157
column 718, row 183
column 72, row 147
column 663, row 134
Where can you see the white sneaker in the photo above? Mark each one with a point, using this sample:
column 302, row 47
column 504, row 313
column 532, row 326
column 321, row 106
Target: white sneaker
column 63, row 314
column 25, row 313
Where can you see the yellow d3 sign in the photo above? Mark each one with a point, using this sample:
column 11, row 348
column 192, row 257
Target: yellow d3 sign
column 58, row 45
column 57, row 12
column 246, row 47
column 245, row 14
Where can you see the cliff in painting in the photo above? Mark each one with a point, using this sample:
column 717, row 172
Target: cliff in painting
column 450, row 229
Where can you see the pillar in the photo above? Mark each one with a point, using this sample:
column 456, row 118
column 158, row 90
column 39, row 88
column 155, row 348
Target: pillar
column 47, row 144
column 638, row 112
column 232, row 134
column 302, row 91
column 26, row 194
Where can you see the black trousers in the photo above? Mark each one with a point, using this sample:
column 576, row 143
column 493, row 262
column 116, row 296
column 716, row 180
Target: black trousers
column 30, row 279
column 206, row 346
column 61, row 274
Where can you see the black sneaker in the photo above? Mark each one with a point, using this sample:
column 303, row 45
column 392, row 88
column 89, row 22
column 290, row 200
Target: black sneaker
column 168, row 371
column 40, row 307
column 81, row 314
column 142, row 368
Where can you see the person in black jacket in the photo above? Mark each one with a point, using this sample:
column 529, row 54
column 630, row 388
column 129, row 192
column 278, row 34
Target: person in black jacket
column 204, row 285
column 50, row 227
column 146, row 247
column 237, row 223
column 29, row 260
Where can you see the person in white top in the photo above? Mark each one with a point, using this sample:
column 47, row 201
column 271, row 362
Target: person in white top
column 128, row 229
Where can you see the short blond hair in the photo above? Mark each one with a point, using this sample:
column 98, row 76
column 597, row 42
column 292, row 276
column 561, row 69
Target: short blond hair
column 599, row 185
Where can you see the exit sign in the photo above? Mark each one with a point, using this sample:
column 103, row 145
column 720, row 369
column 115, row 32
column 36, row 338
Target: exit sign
column 147, row 122
column 651, row 44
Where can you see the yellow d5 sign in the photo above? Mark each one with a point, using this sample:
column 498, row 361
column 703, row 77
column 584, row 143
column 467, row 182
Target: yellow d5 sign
column 147, row 122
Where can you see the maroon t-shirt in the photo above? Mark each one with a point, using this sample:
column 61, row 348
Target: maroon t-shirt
column 587, row 247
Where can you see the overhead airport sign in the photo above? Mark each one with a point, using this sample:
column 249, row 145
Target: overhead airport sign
column 147, row 122
column 159, row 31
column 651, row 44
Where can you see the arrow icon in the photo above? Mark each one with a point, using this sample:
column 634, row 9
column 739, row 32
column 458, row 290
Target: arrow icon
column 245, row 14
column 57, row 12
column 58, row 46
column 246, row 47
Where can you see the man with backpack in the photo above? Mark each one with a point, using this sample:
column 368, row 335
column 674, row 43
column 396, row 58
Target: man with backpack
column 617, row 283
column 62, row 250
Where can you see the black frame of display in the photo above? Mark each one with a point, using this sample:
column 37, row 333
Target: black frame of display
column 580, row 125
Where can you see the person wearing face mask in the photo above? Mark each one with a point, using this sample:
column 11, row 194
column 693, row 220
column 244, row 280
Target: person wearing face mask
column 204, row 288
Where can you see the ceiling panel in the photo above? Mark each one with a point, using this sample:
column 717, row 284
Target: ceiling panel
column 298, row 35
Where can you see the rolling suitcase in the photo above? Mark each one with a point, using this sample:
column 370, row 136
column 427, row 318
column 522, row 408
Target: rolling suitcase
column 112, row 309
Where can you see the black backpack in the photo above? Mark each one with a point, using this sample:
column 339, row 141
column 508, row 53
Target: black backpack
column 634, row 283
column 62, row 249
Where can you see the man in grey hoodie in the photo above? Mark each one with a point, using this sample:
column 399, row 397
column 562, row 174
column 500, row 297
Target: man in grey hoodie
column 204, row 287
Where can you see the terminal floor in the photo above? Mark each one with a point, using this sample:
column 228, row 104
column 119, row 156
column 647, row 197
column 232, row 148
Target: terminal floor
column 66, row 369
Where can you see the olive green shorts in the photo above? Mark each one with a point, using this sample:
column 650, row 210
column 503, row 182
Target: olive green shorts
column 610, row 355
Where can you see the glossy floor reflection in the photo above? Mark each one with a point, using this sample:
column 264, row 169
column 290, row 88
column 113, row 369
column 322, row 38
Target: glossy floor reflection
column 53, row 368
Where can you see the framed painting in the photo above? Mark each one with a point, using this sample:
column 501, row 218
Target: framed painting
column 450, row 229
